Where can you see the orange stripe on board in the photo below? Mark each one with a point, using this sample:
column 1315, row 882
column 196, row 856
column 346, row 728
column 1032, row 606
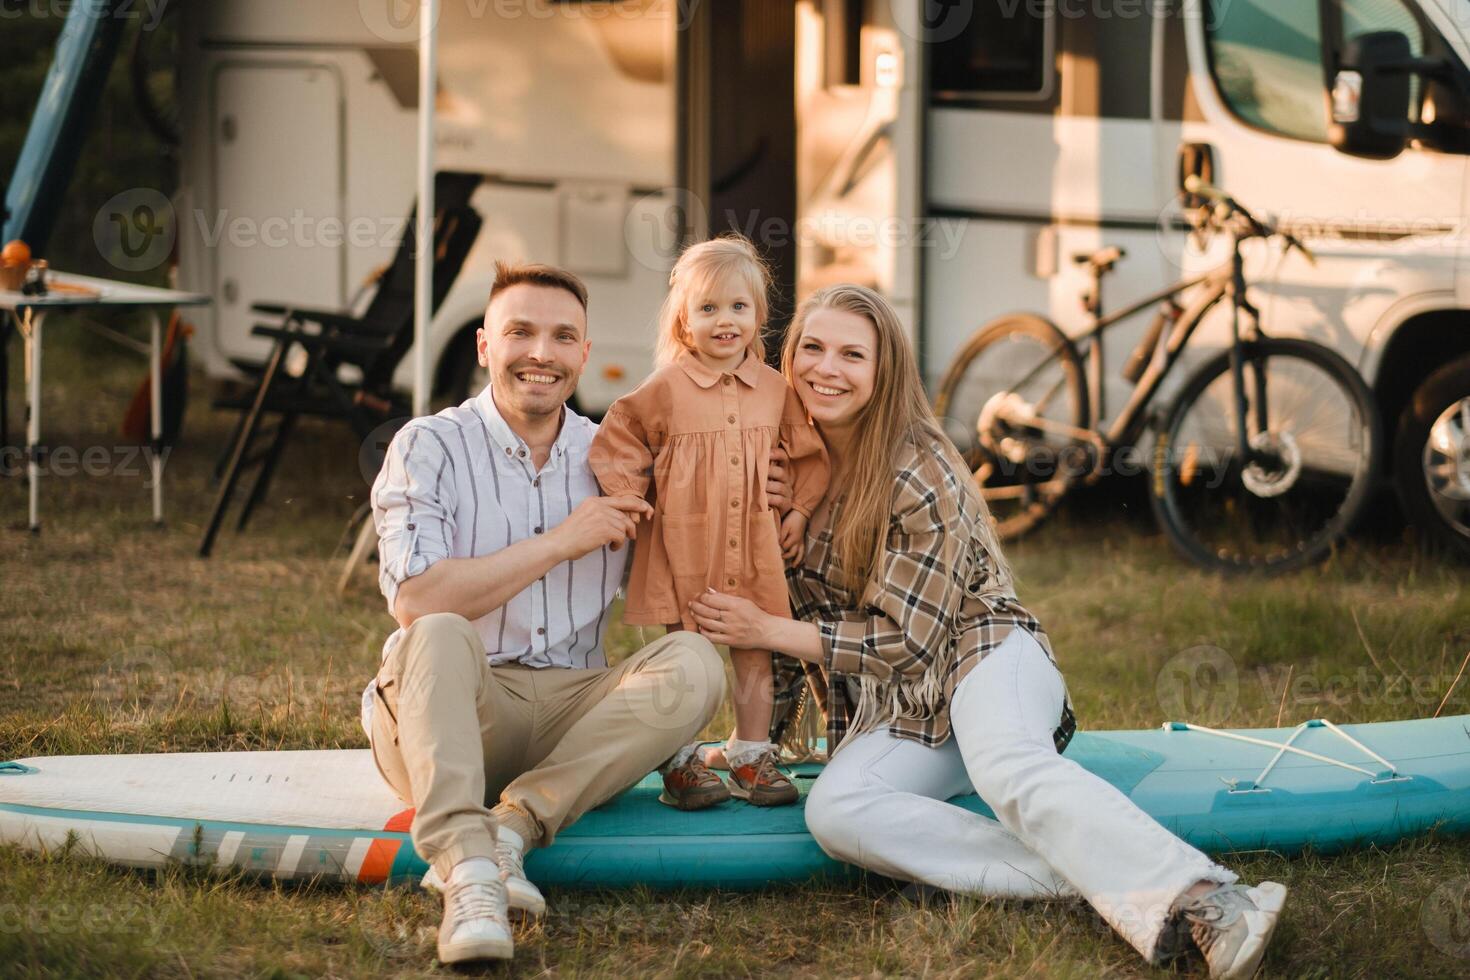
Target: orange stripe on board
column 379, row 859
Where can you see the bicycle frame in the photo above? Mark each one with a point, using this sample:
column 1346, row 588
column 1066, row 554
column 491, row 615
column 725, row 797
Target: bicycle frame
column 1226, row 281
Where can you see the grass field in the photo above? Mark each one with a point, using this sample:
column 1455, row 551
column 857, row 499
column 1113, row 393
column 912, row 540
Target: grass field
column 114, row 637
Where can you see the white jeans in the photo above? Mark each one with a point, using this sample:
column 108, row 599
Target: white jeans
column 1062, row 831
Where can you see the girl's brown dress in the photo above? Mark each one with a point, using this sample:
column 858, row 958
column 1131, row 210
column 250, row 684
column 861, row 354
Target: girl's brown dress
column 702, row 439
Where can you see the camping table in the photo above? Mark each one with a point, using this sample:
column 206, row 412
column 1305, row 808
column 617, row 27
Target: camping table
column 89, row 293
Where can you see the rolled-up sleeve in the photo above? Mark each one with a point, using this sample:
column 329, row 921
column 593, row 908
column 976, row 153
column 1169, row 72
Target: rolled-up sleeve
column 621, row 457
column 911, row 600
column 413, row 502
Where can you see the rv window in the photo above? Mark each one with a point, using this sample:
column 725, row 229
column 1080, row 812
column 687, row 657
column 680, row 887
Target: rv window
column 1003, row 49
column 1266, row 58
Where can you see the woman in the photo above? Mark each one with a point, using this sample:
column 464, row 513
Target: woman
column 940, row 682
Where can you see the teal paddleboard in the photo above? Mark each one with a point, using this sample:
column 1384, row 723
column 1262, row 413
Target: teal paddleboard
column 329, row 814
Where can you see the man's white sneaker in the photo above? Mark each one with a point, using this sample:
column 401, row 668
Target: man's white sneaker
column 475, row 926
column 1232, row 925
column 510, row 854
column 510, row 857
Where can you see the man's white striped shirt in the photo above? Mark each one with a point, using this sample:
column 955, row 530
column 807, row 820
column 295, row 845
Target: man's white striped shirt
column 461, row 484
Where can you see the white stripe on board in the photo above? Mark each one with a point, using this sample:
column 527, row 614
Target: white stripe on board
column 291, row 854
column 356, row 854
column 229, row 846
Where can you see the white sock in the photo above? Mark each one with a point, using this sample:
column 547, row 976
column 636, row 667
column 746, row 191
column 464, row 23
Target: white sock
column 479, row 866
column 679, row 758
column 739, row 752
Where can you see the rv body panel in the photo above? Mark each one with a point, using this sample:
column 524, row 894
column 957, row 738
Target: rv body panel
column 567, row 112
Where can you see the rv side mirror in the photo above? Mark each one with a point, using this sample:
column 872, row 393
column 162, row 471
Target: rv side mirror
column 1370, row 96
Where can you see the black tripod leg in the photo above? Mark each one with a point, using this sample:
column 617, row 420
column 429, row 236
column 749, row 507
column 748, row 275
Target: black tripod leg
column 267, row 469
column 242, row 447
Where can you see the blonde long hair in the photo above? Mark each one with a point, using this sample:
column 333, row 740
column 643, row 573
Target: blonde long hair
column 898, row 414
column 698, row 270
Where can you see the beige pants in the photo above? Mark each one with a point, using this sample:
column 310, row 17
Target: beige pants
column 451, row 733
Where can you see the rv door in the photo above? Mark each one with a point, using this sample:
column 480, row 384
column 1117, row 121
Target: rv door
column 275, row 226
column 859, row 115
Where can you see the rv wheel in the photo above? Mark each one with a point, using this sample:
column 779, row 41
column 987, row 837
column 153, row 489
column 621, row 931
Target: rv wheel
column 1432, row 457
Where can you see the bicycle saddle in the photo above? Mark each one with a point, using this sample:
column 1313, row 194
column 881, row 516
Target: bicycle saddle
column 1102, row 260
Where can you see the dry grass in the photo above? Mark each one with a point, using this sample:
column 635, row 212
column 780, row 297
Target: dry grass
column 114, row 637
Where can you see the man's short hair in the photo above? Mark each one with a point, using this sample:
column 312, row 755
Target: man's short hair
column 508, row 274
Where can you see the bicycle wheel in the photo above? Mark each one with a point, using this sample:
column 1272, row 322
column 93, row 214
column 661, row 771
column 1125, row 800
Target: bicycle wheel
column 1017, row 370
column 1313, row 457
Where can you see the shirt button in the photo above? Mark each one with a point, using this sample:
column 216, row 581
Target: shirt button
column 729, row 380
column 729, row 581
column 536, row 482
column 541, row 631
column 538, row 528
column 735, row 503
column 521, row 452
column 410, row 526
column 734, row 460
column 734, row 542
column 730, row 419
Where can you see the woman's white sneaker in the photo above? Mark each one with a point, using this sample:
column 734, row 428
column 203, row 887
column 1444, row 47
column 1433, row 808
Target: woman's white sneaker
column 475, row 925
column 510, row 854
column 1232, row 926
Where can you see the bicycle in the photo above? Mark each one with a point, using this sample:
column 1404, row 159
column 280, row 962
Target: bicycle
column 1264, row 460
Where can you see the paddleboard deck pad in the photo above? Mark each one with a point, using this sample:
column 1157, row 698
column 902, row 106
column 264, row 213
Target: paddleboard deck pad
column 329, row 814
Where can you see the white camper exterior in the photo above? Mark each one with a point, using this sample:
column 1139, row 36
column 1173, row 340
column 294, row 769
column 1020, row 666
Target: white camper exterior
column 957, row 174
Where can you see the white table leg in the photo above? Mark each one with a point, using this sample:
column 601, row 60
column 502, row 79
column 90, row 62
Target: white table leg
column 33, row 415
column 155, row 372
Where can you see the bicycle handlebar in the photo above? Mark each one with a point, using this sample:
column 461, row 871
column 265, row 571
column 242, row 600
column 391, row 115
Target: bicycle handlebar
column 1225, row 205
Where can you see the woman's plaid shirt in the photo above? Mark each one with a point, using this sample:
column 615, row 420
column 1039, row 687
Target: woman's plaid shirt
column 920, row 627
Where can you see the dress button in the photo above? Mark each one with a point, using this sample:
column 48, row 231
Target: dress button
column 538, row 528
column 730, row 419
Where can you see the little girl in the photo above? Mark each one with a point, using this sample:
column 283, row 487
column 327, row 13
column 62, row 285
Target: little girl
column 702, row 428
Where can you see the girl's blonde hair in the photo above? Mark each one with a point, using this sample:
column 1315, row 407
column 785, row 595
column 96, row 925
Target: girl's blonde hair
column 698, row 270
column 896, row 415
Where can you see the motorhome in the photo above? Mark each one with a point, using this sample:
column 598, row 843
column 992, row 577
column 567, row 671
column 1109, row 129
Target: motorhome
column 952, row 154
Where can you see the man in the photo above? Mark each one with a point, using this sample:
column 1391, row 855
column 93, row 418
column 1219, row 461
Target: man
column 499, row 560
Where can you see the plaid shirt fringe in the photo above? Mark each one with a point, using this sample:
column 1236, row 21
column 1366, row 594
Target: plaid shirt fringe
column 923, row 623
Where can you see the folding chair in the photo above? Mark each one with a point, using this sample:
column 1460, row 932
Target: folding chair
column 374, row 344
